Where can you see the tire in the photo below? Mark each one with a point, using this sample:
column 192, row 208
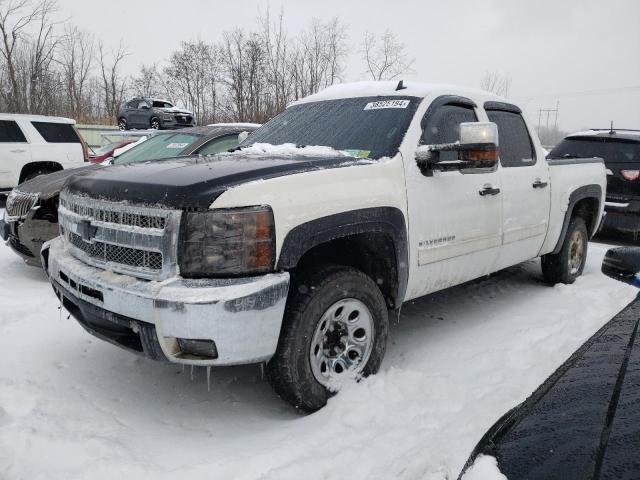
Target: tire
column 37, row 173
column 155, row 123
column 568, row 264
column 122, row 125
column 329, row 294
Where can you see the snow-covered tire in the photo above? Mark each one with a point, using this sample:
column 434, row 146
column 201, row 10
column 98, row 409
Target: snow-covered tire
column 568, row 264
column 311, row 299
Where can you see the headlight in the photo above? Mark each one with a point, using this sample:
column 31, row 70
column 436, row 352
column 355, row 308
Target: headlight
column 227, row 242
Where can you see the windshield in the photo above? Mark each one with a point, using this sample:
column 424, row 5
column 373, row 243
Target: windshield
column 611, row 150
column 160, row 104
column 367, row 127
column 159, row 146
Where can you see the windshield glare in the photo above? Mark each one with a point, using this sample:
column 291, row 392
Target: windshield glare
column 366, row 127
column 157, row 147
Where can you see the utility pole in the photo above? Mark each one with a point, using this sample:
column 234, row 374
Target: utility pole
column 549, row 112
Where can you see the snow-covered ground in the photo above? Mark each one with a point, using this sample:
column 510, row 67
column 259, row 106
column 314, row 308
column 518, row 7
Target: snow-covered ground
column 73, row 407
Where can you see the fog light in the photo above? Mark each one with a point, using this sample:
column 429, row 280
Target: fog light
column 202, row 348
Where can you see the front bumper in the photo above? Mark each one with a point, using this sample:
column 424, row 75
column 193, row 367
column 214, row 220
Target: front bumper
column 241, row 316
column 25, row 236
column 174, row 122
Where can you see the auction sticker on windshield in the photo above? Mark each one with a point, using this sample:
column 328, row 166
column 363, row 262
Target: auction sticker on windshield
column 386, row 104
column 177, row 145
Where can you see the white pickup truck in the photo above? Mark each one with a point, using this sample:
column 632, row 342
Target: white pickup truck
column 296, row 248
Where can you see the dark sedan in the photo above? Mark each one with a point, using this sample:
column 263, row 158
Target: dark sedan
column 31, row 212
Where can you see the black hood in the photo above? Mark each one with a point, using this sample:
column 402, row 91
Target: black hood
column 193, row 182
column 49, row 185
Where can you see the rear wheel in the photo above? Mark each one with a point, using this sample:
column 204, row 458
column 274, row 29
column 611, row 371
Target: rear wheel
column 568, row 263
column 335, row 328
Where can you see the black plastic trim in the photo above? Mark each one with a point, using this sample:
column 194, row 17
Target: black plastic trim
column 502, row 106
column 386, row 220
column 447, row 100
column 587, row 191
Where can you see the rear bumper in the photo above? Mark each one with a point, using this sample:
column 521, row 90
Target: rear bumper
column 242, row 317
column 623, row 215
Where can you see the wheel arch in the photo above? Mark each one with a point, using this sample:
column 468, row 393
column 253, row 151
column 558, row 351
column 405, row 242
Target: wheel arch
column 34, row 166
column 374, row 240
column 584, row 202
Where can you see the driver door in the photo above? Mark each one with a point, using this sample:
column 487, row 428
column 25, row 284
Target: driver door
column 455, row 230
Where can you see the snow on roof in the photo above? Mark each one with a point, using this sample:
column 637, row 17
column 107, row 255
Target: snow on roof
column 604, row 133
column 37, row 118
column 388, row 88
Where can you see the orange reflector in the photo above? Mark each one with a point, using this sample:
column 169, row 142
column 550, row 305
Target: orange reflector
column 480, row 155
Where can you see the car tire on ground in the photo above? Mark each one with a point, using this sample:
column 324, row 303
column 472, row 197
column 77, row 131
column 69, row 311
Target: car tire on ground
column 122, row 124
column 155, row 123
column 335, row 326
column 568, row 264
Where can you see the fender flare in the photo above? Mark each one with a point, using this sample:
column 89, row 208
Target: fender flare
column 587, row 191
column 386, row 220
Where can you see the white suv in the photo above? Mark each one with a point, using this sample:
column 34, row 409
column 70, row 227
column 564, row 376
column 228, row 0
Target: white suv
column 32, row 145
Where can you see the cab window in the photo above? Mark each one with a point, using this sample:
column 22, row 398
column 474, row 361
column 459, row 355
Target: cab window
column 443, row 126
column 516, row 149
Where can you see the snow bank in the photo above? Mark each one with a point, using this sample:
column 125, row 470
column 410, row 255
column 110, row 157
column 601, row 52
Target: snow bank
column 74, row 407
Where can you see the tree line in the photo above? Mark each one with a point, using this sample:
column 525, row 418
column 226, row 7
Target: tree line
column 56, row 68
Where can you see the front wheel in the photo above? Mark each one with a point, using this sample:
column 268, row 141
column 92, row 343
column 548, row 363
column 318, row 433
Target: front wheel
column 155, row 123
column 335, row 328
column 122, row 125
column 568, row 264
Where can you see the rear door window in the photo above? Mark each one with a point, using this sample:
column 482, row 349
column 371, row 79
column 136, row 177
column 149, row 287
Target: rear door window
column 219, row 145
column 57, row 132
column 516, row 149
column 10, row 132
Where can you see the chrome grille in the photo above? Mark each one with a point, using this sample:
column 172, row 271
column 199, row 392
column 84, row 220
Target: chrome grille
column 107, row 252
column 115, row 216
column 19, row 203
column 132, row 239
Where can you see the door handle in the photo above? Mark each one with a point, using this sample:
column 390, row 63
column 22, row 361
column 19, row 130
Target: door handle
column 489, row 190
column 18, row 150
column 539, row 184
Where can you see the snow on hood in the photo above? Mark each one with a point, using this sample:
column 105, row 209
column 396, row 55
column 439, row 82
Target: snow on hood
column 290, row 149
column 175, row 110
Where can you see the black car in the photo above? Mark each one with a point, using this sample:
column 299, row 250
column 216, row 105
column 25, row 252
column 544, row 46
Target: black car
column 153, row 113
column 620, row 150
column 31, row 212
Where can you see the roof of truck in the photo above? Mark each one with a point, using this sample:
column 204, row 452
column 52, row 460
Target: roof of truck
column 35, row 118
column 389, row 88
column 621, row 133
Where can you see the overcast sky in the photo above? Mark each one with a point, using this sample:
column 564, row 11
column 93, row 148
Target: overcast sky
column 582, row 53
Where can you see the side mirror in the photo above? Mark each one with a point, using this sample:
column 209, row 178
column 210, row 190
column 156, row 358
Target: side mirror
column 477, row 148
column 623, row 264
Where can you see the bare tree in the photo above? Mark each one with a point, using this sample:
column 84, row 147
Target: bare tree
column 496, row 83
column 276, row 52
column 147, row 83
column 77, row 54
column 386, row 57
column 25, row 58
column 317, row 61
column 192, row 76
column 113, row 83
